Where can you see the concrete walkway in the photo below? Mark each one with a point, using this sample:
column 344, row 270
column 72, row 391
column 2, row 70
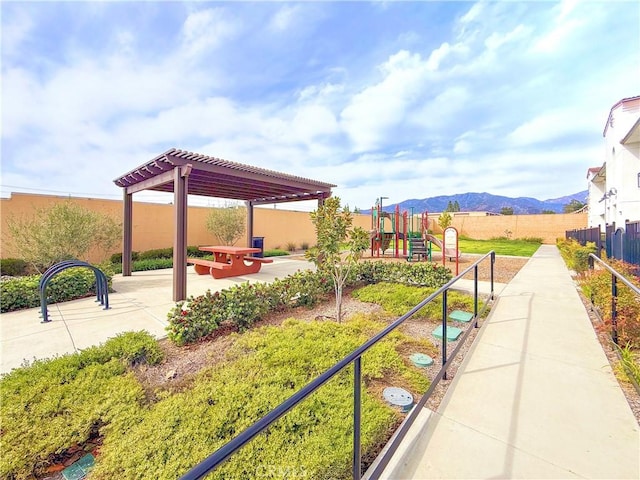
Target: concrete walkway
column 140, row 302
column 534, row 398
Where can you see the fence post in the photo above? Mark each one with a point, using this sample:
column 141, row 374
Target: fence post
column 614, row 308
column 357, row 380
column 444, row 332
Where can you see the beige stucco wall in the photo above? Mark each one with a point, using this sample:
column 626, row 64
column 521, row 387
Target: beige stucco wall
column 548, row 227
column 153, row 223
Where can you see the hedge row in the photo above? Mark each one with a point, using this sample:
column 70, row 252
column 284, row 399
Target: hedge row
column 22, row 292
column 242, row 305
column 576, row 256
column 51, row 405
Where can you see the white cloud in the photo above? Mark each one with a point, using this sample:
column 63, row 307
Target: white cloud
column 373, row 112
column 284, row 18
column 205, row 30
column 16, row 32
column 548, row 127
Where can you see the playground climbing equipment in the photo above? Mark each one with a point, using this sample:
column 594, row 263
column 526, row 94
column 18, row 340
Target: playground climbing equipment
column 102, row 287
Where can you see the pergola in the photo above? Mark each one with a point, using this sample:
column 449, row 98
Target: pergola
column 185, row 173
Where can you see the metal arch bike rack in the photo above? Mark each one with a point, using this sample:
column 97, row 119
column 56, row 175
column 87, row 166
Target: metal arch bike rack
column 102, row 287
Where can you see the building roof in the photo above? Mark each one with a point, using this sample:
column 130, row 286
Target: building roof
column 215, row 177
column 616, row 105
column 593, row 170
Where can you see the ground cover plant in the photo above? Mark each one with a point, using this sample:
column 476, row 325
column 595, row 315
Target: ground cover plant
column 51, row 405
column 264, row 368
column 397, row 299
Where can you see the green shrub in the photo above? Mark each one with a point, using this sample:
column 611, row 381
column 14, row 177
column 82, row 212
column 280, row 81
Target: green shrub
column 575, row 255
column 156, row 253
column 117, row 257
column 425, row 274
column 14, row 267
column 264, row 368
column 596, row 285
column 242, row 305
column 51, row 405
column 22, row 292
column 398, row 299
column 539, row 240
column 275, row 253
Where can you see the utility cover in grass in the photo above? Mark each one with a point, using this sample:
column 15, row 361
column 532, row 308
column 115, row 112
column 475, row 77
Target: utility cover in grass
column 79, row 470
column 421, row 360
column 452, row 333
column 460, row 316
column 398, row 397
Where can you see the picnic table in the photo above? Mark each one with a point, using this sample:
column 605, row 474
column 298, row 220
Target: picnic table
column 228, row 261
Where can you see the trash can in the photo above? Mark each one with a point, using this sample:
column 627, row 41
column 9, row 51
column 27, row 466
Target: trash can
column 258, row 242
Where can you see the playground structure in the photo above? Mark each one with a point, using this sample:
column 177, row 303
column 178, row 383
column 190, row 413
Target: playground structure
column 406, row 233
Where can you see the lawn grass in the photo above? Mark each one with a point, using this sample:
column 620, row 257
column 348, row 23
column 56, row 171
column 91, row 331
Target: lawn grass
column 520, row 248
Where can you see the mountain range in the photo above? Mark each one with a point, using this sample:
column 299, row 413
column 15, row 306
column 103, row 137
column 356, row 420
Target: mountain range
column 486, row 202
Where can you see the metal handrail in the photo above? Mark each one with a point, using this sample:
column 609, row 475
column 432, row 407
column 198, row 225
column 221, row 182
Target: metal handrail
column 228, row 449
column 615, row 276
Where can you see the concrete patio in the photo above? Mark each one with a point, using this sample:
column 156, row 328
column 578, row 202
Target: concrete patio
column 140, row 302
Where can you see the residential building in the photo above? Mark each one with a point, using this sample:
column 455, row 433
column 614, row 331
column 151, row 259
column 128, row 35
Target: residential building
column 614, row 188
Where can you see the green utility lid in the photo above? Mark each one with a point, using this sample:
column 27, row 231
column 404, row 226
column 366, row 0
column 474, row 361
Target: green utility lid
column 452, row 333
column 460, row 316
column 421, row 360
column 79, row 469
column 398, row 397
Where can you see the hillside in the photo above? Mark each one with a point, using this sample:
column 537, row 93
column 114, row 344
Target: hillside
column 486, row 202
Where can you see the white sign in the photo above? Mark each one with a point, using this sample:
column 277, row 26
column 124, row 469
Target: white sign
column 450, row 238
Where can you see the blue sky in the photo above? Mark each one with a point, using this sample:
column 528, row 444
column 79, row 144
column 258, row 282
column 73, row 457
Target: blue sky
column 395, row 99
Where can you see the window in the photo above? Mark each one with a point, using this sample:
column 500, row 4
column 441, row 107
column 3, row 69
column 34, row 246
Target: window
column 638, row 179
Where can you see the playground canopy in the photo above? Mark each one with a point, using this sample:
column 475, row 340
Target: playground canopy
column 185, row 173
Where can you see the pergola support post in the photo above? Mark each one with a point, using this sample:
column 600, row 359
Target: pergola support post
column 249, row 205
column 127, row 235
column 180, row 189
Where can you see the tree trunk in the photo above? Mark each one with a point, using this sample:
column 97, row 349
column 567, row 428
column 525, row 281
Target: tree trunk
column 338, row 303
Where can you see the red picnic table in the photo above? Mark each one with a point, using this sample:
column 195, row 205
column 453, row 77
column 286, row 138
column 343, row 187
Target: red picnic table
column 228, row 261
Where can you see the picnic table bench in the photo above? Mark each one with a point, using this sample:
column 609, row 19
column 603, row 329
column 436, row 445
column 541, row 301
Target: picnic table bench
column 228, row 261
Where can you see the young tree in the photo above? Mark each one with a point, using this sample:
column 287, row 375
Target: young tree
column 227, row 224
column 573, row 206
column 61, row 232
column 334, row 230
column 444, row 220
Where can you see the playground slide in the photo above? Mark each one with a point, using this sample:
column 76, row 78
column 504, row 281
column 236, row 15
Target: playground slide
column 450, row 252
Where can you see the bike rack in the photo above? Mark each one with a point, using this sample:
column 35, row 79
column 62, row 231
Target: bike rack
column 102, row 287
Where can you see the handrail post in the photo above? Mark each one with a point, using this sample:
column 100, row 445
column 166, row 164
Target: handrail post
column 493, row 261
column 444, row 333
column 357, row 391
column 614, row 308
column 475, row 295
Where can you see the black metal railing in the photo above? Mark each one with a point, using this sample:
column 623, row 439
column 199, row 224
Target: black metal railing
column 224, row 452
column 615, row 277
